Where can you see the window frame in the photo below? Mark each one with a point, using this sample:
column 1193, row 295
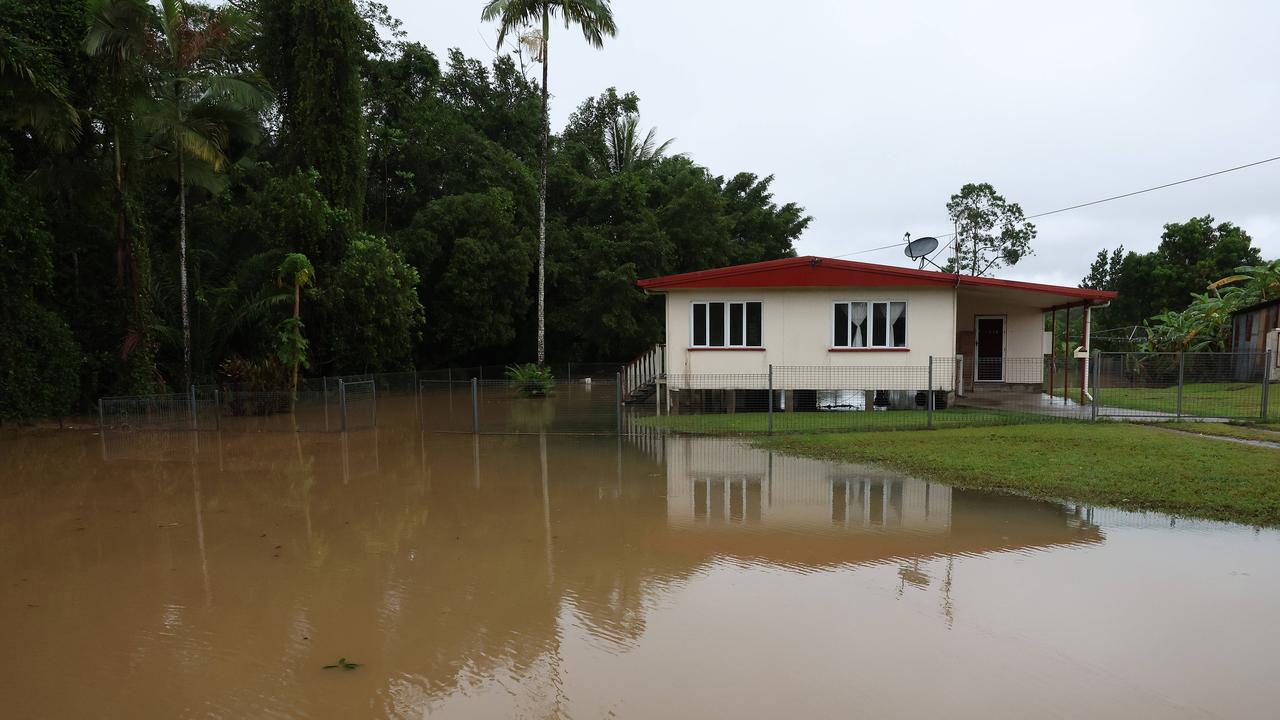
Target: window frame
column 870, row 303
column 728, row 331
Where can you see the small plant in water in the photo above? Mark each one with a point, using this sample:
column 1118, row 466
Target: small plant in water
column 531, row 379
column 342, row 664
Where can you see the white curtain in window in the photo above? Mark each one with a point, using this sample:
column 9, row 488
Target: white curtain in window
column 857, row 314
column 895, row 311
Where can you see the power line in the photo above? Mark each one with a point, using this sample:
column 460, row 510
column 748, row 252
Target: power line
column 1098, row 202
column 1157, row 187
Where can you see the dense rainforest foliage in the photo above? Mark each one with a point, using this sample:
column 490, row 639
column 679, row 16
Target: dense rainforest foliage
column 330, row 196
column 1180, row 296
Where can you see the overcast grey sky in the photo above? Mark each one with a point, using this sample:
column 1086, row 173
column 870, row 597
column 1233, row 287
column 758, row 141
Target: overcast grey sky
column 871, row 114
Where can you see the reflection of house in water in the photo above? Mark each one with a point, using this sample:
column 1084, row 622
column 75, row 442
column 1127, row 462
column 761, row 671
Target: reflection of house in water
column 726, row 498
column 714, row 483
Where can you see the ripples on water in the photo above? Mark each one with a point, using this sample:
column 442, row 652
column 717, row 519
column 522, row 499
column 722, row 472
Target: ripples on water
column 173, row 576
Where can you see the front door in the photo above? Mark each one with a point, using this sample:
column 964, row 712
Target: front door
column 990, row 350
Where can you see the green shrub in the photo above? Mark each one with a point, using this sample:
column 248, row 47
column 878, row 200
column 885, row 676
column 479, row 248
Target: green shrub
column 39, row 363
column 531, row 379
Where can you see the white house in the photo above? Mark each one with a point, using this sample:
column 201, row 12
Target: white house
column 828, row 324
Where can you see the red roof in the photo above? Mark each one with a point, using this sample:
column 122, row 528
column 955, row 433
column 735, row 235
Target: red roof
column 812, row 271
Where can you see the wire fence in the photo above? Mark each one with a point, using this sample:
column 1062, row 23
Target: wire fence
column 563, row 372
column 583, row 406
column 1226, row 386
column 941, row 393
column 315, row 406
column 944, row 392
column 358, row 404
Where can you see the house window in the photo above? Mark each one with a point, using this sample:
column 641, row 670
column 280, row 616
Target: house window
column 727, row 324
column 869, row 324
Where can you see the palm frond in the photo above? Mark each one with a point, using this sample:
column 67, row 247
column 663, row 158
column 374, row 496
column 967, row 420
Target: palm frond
column 35, row 102
column 245, row 92
column 512, row 15
column 120, row 29
column 593, row 17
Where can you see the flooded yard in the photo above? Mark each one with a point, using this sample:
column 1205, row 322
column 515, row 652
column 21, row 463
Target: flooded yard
column 182, row 575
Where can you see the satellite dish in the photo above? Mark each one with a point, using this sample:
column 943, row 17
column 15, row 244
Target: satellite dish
column 921, row 247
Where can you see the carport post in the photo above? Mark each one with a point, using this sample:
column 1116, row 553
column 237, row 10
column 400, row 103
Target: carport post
column 1182, row 366
column 475, row 407
column 770, row 398
column 928, row 403
column 1266, row 382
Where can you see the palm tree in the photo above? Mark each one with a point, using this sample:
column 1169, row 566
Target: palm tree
column 595, row 19
column 119, row 33
column 34, row 102
column 194, row 108
column 626, row 150
column 297, row 269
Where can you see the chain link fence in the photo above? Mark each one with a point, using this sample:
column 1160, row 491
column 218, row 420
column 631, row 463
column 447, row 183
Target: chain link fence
column 1226, row 386
column 941, row 393
column 317, row 403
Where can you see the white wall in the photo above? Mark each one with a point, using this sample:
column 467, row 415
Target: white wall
column 1024, row 334
column 796, row 331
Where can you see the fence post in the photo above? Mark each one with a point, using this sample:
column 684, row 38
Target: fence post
column 1266, row 382
column 374, row 388
column 928, row 403
column 324, row 381
column 195, row 421
column 342, row 405
column 475, row 406
column 102, row 423
column 618, row 406
column 217, row 409
column 1182, row 362
column 1096, row 369
column 960, row 379
column 770, row 398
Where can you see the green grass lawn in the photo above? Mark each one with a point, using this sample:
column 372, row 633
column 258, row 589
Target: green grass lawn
column 1126, row 465
column 797, row 422
column 1230, row 400
column 1232, row 430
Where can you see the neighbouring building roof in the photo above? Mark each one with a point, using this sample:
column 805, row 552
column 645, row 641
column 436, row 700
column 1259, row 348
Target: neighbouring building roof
column 812, row 271
column 1241, row 311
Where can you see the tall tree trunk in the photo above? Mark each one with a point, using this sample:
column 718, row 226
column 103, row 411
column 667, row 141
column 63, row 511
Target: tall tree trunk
column 182, row 263
column 542, row 194
column 974, row 270
column 122, row 231
column 127, row 270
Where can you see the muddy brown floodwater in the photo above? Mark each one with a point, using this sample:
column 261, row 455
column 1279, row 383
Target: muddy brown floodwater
column 176, row 575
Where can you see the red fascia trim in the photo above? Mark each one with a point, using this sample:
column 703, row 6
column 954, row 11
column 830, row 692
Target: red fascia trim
column 811, row 271
column 868, row 349
column 725, row 349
